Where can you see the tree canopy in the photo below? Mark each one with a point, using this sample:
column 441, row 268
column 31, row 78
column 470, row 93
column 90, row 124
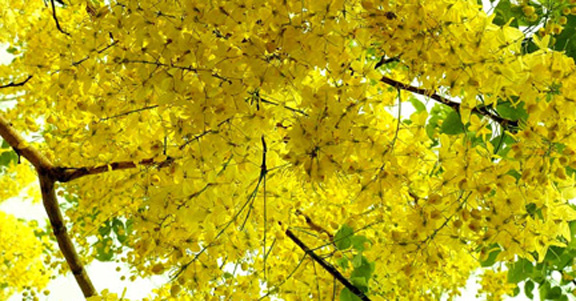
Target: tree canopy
column 251, row 149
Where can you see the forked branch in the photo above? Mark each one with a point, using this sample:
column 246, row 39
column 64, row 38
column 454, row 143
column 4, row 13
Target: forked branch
column 45, row 170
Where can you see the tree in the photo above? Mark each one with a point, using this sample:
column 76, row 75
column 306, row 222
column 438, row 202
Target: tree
column 250, row 149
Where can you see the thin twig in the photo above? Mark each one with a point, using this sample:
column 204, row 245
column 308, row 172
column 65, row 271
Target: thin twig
column 383, row 61
column 56, row 19
column 114, row 42
column 129, row 112
column 206, row 132
column 264, row 100
column 263, row 171
column 13, row 84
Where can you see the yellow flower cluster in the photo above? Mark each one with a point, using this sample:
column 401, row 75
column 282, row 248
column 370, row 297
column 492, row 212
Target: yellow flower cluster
column 21, row 268
column 495, row 285
column 18, row 178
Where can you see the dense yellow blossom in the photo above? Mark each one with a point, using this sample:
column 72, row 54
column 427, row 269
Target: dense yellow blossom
column 21, row 267
column 272, row 116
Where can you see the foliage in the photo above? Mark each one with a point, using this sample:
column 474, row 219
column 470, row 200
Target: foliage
column 224, row 143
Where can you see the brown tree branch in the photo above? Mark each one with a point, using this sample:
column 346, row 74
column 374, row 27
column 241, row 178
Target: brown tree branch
column 67, row 174
column 454, row 105
column 45, row 170
column 328, row 267
column 13, row 84
column 48, row 174
column 64, row 242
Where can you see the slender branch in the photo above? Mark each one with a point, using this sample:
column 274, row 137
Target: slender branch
column 263, row 172
column 264, row 100
column 454, row 105
column 13, row 84
column 67, row 174
column 45, row 170
column 383, row 61
column 328, row 267
column 206, row 132
column 129, row 112
column 114, row 42
column 56, row 18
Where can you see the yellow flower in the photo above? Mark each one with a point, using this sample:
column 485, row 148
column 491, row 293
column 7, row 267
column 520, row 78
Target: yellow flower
column 478, row 126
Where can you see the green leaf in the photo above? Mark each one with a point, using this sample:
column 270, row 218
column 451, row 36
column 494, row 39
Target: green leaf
column 543, row 290
column 540, row 273
column 512, row 112
column 364, row 269
column 361, row 283
column 357, row 260
column 9, row 156
column 452, row 125
column 437, row 113
column 358, row 242
column 417, row 104
column 343, row 263
column 533, row 211
column 529, row 288
column 104, row 251
column 515, row 174
column 553, row 254
column 554, row 293
column 504, row 11
column 12, row 50
column 572, row 225
column 491, row 259
column 519, row 270
column 105, row 229
column 516, row 291
column 347, row 295
column 342, row 239
column 570, row 171
column 502, row 144
column 566, row 40
column 120, row 230
column 228, row 275
column 528, row 46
